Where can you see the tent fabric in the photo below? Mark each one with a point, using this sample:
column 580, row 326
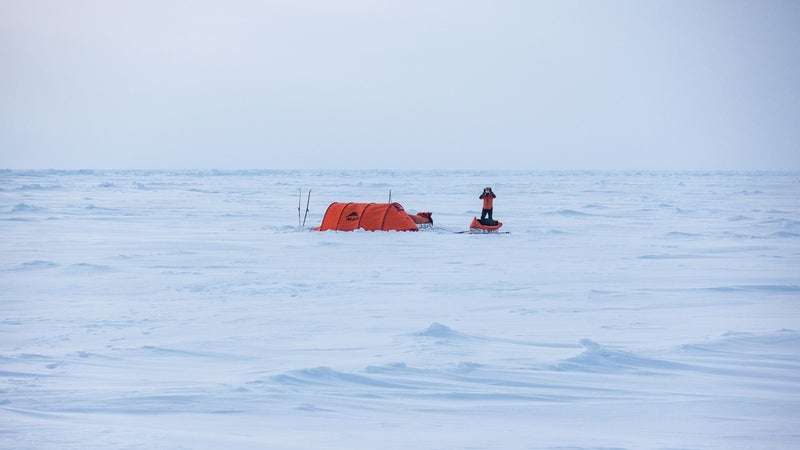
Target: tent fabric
column 367, row 216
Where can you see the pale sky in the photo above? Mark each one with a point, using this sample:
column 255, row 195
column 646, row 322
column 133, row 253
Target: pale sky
column 411, row 84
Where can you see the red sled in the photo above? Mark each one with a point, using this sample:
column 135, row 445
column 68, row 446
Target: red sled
column 477, row 227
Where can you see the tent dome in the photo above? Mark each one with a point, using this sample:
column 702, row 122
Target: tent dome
column 367, row 216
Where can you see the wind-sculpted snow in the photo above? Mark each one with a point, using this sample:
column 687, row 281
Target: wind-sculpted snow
column 187, row 309
column 437, row 330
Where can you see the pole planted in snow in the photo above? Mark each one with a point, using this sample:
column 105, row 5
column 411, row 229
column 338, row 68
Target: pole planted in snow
column 307, row 202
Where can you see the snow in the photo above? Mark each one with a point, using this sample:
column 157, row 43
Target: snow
column 187, row 309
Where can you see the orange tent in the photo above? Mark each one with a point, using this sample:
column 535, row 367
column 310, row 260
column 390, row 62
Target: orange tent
column 369, row 216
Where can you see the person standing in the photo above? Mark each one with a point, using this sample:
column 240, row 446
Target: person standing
column 488, row 203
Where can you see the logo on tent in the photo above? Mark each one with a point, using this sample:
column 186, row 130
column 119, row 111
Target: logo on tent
column 353, row 216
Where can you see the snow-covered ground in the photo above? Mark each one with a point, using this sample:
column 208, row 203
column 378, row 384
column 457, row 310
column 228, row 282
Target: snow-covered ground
column 632, row 310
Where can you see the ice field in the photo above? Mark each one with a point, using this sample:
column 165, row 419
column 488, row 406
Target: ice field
column 636, row 310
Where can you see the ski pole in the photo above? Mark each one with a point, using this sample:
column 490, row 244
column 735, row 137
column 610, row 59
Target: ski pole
column 307, row 202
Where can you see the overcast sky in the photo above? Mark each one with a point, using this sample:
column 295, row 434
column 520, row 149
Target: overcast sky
column 405, row 84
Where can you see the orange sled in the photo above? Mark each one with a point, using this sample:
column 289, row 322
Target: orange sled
column 477, row 227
